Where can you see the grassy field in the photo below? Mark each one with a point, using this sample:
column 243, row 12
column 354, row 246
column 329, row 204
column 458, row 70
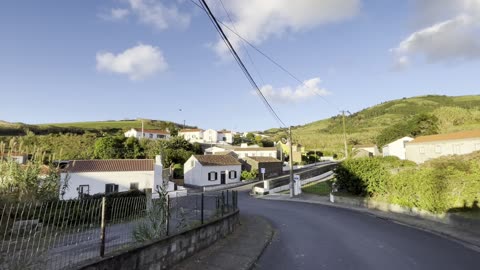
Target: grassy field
column 122, row 124
column 318, row 188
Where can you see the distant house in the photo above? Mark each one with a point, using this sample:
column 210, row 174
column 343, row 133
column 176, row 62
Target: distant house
column 365, row 150
column 283, row 149
column 273, row 167
column 112, row 175
column 210, row 136
column 153, row 134
column 20, row 158
column 255, row 152
column 214, row 150
column 225, row 136
column 206, row 170
column 396, row 148
column 192, row 134
column 424, row 148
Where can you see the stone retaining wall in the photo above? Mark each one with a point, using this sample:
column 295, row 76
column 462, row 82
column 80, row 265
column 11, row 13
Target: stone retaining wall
column 162, row 254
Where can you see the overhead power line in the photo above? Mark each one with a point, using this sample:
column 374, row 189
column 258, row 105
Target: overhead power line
column 240, row 63
column 269, row 58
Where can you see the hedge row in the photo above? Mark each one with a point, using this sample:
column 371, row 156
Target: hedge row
column 437, row 186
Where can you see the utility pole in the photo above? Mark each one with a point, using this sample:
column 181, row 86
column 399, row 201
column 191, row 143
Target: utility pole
column 344, row 135
column 290, row 160
column 143, row 134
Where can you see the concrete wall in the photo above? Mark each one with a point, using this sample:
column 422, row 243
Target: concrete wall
column 256, row 153
column 421, row 152
column 163, row 254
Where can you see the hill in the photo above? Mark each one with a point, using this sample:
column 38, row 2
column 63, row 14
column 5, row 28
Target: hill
column 111, row 126
column 363, row 127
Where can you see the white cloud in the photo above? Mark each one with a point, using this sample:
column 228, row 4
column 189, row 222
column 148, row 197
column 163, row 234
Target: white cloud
column 258, row 21
column 137, row 62
column 115, row 14
column 158, row 15
column 305, row 91
column 453, row 39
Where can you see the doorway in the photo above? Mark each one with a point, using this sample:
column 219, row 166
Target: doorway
column 222, row 177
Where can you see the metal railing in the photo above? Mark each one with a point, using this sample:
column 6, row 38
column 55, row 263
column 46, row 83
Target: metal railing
column 63, row 234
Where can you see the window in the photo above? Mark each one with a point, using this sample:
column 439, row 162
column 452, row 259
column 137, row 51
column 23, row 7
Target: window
column 134, row 186
column 232, row 174
column 192, row 163
column 150, row 136
column 224, row 139
column 421, row 150
column 159, row 136
column 83, row 190
column 110, row 188
column 438, row 149
column 212, row 176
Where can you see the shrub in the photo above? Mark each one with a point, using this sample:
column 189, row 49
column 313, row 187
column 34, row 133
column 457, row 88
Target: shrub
column 246, row 175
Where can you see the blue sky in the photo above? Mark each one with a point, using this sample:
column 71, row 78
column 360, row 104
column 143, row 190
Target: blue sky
column 67, row 61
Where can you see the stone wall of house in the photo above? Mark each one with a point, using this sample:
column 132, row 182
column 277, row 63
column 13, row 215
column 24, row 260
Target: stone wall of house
column 163, row 254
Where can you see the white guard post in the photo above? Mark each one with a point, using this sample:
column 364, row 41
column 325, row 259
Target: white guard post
column 297, row 185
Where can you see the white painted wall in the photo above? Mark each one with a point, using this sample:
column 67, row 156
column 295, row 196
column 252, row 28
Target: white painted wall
column 421, row 152
column 227, row 135
column 256, row 153
column 373, row 149
column 396, row 148
column 197, row 175
column 213, row 150
column 192, row 136
column 210, row 136
column 154, row 136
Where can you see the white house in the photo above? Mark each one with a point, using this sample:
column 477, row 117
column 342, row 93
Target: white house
column 396, row 148
column 20, row 158
column 255, row 152
column 112, row 175
column 372, row 149
column 225, row 136
column 424, row 148
column 192, row 134
column 210, row 136
column 206, row 170
column 214, row 150
column 148, row 133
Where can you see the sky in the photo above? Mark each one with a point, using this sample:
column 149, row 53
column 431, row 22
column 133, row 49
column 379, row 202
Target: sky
column 90, row 60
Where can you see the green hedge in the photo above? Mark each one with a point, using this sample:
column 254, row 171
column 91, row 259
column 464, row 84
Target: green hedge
column 438, row 186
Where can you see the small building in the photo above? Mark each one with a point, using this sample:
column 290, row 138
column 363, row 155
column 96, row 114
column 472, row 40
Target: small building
column 283, row 149
column 273, row 167
column 361, row 150
column 424, row 148
column 20, row 158
column 206, row 170
column 88, row 177
column 396, row 148
column 192, row 134
column 214, row 150
column 255, row 152
column 210, row 136
column 225, row 136
column 154, row 134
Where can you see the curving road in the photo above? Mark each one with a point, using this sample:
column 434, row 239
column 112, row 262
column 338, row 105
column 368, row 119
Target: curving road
column 310, row 236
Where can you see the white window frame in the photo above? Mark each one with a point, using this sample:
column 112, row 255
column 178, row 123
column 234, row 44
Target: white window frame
column 212, row 176
column 234, row 174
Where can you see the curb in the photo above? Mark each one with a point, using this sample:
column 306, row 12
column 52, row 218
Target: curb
column 378, row 214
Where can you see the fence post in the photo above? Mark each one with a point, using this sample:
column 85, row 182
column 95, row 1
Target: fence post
column 227, row 202
column 102, row 228
column 223, row 202
column 168, row 215
column 202, row 209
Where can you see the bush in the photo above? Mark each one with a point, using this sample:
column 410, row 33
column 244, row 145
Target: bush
column 438, row 186
column 246, row 175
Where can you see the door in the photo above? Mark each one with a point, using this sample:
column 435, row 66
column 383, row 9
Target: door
column 222, row 177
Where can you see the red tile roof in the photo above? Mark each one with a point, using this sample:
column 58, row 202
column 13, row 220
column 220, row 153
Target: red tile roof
column 254, row 149
column 448, row 137
column 265, row 159
column 217, row 160
column 110, row 165
column 154, row 131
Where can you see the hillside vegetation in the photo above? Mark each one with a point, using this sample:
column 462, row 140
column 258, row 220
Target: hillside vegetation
column 98, row 127
column 364, row 127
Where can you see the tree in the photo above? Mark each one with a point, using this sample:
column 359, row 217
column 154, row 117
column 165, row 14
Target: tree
column 108, row 147
column 133, row 149
column 250, row 137
column 237, row 139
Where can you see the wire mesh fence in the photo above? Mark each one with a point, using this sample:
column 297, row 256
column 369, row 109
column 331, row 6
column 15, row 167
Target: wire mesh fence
column 62, row 234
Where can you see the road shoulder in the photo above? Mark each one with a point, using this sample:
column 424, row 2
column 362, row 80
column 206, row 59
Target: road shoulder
column 239, row 250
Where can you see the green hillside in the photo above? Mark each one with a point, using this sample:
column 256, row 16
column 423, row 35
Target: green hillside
column 15, row 129
column 363, row 127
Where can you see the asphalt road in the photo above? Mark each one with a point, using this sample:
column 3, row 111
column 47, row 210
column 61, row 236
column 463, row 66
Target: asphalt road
column 310, row 236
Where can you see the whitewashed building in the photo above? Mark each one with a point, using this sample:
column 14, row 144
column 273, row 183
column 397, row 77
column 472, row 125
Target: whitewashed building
column 424, row 148
column 210, row 136
column 396, row 148
column 371, row 149
column 192, row 134
column 206, row 170
column 255, row 152
column 153, row 134
column 225, row 136
column 214, row 150
column 112, row 175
